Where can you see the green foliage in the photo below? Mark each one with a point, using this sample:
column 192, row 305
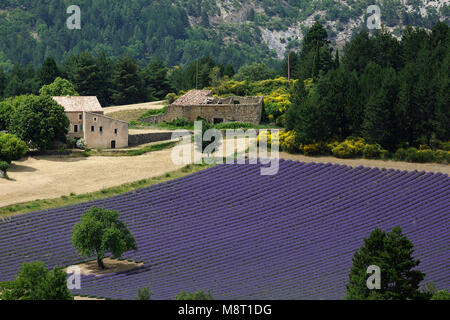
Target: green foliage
column 6, row 110
column 4, row 166
column 234, row 125
column 412, row 154
column 199, row 295
column 202, row 143
column 392, row 252
column 144, row 294
column 254, row 72
column 48, row 72
column 100, row 231
column 441, row 295
column 127, row 82
column 153, row 112
column 39, row 121
column 59, row 87
column 35, row 282
column 155, row 76
column 388, row 91
column 11, row 147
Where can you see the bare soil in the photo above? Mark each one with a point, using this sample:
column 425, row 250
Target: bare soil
column 388, row 164
column 111, row 266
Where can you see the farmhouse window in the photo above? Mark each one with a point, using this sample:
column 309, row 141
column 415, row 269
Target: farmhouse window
column 115, row 131
column 81, row 127
column 92, row 129
column 80, row 116
column 95, row 119
column 75, row 128
column 101, row 129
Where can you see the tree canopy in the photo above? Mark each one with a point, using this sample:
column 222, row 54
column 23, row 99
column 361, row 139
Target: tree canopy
column 198, row 295
column 59, row 87
column 35, row 282
column 100, row 231
column 392, row 252
column 39, row 121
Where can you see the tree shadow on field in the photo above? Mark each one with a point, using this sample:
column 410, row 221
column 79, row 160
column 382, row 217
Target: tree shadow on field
column 61, row 158
column 21, row 168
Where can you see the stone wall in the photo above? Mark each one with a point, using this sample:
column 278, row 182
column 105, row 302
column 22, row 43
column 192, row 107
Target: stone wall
column 142, row 138
column 246, row 109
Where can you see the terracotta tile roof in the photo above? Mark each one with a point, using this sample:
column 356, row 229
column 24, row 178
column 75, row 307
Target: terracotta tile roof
column 79, row 104
column 194, row 97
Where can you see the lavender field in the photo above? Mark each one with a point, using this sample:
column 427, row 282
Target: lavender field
column 241, row 235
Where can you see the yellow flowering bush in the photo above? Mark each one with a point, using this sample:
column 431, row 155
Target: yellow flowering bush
column 357, row 147
column 288, row 142
column 264, row 136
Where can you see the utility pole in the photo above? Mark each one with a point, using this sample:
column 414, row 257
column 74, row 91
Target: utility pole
column 196, row 77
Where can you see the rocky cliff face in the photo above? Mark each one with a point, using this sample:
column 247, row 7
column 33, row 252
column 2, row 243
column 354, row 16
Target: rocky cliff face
column 281, row 25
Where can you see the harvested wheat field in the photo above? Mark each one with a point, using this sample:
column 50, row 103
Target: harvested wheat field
column 46, row 177
column 144, row 106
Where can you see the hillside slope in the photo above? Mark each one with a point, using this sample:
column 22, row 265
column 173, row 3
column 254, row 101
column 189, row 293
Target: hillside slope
column 179, row 31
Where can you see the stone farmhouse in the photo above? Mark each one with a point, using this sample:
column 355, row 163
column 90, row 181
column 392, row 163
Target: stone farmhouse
column 88, row 122
column 201, row 103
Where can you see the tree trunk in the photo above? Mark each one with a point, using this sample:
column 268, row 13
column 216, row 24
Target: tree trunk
column 100, row 263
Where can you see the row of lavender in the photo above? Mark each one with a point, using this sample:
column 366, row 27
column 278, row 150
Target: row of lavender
column 245, row 236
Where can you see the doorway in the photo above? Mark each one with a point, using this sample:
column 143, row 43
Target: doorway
column 113, row 144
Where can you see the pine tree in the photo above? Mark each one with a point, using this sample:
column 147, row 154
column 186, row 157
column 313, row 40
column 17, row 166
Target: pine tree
column 336, row 59
column 155, row 79
column 127, row 82
column 392, row 252
column 380, row 123
column 48, row 72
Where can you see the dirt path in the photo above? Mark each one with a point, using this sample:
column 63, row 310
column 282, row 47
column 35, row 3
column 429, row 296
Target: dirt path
column 427, row 167
column 146, row 106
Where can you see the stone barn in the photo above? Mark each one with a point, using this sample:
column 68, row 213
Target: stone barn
column 201, row 103
column 88, row 122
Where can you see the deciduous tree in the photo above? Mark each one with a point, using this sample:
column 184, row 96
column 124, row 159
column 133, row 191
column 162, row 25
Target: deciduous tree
column 100, row 231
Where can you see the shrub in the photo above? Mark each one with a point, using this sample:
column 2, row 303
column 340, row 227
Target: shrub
column 350, row 148
column 71, row 143
column 11, row 147
column 180, row 122
column 199, row 295
column 281, row 120
column 171, row 97
column 265, row 136
column 153, row 112
column 4, row 166
column 345, row 150
column 234, row 125
column 318, row 148
column 144, row 294
column 288, row 142
column 372, row 151
column 81, row 144
column 441, row 295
